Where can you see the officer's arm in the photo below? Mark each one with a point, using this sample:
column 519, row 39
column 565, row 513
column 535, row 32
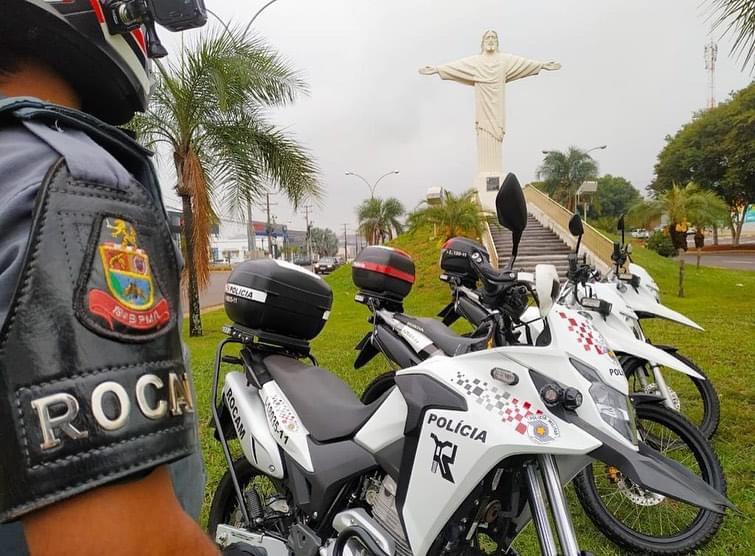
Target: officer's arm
column 136, row 517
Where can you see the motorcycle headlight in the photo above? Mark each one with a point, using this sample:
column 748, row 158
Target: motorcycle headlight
column 614, row 407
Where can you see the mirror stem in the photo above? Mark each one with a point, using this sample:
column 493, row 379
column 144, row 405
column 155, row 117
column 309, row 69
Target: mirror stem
column 579, row 240
column 516, row 237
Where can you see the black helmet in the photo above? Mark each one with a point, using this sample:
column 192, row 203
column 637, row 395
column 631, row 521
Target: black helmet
column 110, row 72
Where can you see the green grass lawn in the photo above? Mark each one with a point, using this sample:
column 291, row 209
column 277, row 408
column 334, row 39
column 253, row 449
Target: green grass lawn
column 722, row 301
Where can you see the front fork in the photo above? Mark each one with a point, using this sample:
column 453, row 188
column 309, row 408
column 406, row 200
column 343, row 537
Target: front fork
column 543, row 480
column 660, row 384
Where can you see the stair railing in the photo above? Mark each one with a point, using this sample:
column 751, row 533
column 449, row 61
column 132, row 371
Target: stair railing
column 554, row 216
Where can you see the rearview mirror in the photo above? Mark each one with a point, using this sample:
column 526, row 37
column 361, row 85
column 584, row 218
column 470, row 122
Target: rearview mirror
column 620, row 224
column 510, row 206
column 575, row 226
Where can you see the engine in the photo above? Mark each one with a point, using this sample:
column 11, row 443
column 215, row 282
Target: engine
column 384, row 511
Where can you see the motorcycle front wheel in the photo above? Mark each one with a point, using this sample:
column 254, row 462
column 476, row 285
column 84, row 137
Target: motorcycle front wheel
column 643, row 521
column 695, row 398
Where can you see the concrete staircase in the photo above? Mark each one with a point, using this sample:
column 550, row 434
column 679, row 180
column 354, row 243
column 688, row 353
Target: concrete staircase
column 539, row 245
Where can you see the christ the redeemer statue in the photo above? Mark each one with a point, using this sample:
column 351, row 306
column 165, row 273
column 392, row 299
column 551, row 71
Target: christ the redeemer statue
column 489, row 72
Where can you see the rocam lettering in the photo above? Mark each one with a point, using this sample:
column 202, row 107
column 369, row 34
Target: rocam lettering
column 66, row 407
column 458, row 427
column 235, row 416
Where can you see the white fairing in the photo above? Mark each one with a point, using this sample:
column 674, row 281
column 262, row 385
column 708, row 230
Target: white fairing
column 285, row 425
column 456, row 449
column 646, row 281
column 619, row 333
column 642, row 302
column 248, row 417
column 546, row 286
column 386, row 425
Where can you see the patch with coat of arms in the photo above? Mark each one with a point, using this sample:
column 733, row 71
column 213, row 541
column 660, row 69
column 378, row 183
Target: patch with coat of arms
column 121, row 293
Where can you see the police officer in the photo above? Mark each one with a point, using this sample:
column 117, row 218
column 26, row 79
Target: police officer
column 97, row 419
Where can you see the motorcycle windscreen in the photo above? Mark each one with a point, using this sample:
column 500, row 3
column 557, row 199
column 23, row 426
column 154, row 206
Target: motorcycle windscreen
column 652, row 471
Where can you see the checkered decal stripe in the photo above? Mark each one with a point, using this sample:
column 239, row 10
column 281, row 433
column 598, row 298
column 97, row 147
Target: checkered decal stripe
column 586, row 334
column 509, row 409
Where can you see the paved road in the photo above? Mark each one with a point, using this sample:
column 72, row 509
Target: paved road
column 738, row 261
column 213, row 295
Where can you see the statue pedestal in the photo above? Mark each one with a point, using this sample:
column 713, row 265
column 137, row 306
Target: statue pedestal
column 487, row 185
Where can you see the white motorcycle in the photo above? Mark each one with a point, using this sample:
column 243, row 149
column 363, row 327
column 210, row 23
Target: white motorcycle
column 632, row 517
column 693, row 395
column 457, row 456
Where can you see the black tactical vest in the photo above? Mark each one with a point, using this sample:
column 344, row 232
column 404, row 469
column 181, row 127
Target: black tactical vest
column 92, row 380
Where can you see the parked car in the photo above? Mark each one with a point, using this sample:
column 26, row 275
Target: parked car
column 640, row 233
column 303, row 261
column 326, row 265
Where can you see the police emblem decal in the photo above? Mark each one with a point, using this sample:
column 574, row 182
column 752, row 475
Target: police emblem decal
column 542, row 429
column 130, row 298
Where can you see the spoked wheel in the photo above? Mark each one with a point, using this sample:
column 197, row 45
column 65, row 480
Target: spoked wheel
column 642, row 521
column 694, row 398
column 264, row 500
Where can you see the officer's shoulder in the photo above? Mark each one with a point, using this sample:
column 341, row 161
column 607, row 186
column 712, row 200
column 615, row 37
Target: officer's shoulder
column 85, row 158
column 24, row 160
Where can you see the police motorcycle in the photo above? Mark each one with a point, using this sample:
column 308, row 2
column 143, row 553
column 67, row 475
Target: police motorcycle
column 406, row 340
column 694, row 395
column 455, row 455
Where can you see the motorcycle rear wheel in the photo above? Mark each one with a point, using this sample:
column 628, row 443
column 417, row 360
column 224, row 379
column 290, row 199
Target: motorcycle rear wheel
column 604, row 492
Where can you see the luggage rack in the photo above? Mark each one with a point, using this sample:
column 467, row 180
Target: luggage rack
column 267, row 341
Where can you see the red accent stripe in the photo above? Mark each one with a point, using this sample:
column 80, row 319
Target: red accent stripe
column 98, row 10
column 139, row 36
column 385, row 269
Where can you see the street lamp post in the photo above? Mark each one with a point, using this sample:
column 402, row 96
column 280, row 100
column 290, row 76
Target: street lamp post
column 374, row 185
column 576, row 195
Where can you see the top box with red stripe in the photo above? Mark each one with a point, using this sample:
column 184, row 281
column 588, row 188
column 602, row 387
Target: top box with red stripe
column 384, row 272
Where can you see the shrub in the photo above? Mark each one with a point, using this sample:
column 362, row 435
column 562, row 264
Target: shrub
column 661, row 244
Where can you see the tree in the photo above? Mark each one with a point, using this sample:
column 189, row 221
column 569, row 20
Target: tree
column 208, row 107
column 564, row 172
column 379, row 219
column 715, row 151
column 455, row 215
column 614, row 196
column 324, row 242
column 683, row 206
column 738, row 18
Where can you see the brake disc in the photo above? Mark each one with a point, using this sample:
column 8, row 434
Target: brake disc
column 652, row 388
column 633, row 492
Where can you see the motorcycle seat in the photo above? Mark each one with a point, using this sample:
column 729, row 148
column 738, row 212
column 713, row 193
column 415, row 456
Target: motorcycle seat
column 442, row 336
column 327, row 406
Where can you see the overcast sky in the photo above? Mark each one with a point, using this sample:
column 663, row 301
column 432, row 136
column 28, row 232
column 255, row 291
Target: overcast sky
column 632, row 73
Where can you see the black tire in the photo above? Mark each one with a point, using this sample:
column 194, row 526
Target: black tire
column 701, row 527
column 224, row 502
column 707, row 417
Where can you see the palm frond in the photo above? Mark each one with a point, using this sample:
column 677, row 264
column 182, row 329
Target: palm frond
column 737, row 18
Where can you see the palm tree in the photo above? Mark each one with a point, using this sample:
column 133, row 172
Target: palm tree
column 564, row 172
column 737, row 17
column 208, row 107
column 379, row 219
column 683, row 206
column 455, row 215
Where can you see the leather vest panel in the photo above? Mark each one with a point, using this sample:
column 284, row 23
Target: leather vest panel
column 92, row 380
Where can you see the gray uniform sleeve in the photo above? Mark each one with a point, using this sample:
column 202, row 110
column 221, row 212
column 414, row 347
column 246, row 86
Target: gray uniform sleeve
column 24, row 161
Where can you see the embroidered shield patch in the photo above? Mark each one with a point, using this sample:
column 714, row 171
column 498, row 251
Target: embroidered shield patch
column 122, row 293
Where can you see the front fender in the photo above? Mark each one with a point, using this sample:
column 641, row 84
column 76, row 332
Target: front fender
column 643, row 351
column 653, row 471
